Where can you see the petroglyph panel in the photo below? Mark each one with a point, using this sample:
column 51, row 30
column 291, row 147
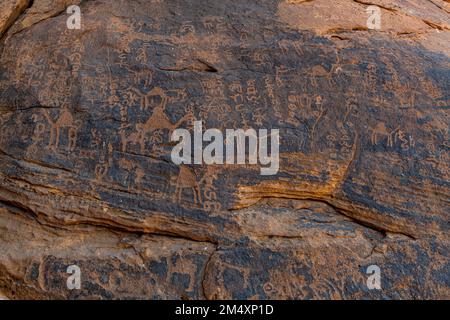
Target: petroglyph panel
column 86, row 118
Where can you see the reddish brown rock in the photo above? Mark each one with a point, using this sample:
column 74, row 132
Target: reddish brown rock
column 86, row 176
column 9, row 12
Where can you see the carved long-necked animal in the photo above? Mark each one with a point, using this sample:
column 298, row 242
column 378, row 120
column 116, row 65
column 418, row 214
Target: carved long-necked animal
column 65, row 120
column 319, row 71
column 157, row 121
column 134, row 137
column 380, row 129
column 187, row 179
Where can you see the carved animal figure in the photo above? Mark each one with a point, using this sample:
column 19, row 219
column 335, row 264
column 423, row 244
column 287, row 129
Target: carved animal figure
column 157, row 121
column 187, row 179
column 284, row 45
column 320, row 71
column 134, row 137
column 65, row 120
column 380, row 129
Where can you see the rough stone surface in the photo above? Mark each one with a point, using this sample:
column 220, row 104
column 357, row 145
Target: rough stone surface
column 86, row 176
column 9, row 12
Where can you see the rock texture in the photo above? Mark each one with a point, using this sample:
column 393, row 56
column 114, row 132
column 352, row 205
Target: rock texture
column 86, row 176
column 10, row 12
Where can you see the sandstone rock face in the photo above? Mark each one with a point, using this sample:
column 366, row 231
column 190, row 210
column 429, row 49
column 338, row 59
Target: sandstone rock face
column 10, row 10
column 86, row 176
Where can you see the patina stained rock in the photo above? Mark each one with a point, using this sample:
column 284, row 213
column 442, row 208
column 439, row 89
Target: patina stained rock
column 86, row 176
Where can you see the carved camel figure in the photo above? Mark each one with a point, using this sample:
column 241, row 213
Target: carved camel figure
column 187, row 179
column 320, row 71
column 157, row 121
column 65, row 120
column 134, row 137
column 380, row 129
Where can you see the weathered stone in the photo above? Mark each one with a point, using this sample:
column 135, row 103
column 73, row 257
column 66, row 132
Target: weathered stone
column 86, row 176
column 9, row 12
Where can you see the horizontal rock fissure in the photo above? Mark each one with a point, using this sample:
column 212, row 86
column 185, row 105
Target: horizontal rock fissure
column 339, row 210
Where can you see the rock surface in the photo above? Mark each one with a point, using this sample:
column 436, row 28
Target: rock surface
column 86, row 176
column 10, row 11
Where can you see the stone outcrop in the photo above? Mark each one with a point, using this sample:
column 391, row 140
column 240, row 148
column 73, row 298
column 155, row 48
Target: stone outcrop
column 86, row 176
column 10, row 11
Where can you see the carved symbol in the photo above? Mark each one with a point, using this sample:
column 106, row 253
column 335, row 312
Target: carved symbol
column 100, row 171
column 211, row 204
column 406, row 142
column 279, row 72
column 352, row 110
column 39, row 130
column 131, row 168
column 142, row 55
column 213, row 24
column 105, row 161
column 320, row 113
column 213, row 89
column 187, row 29
column 142, row 77
column 297, row 47
column 269, row 289
column 262, row 60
